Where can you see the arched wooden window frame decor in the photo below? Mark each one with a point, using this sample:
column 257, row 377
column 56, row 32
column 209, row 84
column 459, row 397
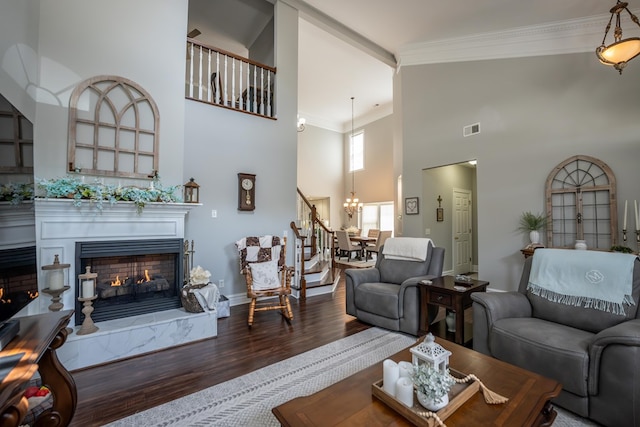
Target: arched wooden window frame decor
column 113, row 129
column 581, row 204
column 16, row 140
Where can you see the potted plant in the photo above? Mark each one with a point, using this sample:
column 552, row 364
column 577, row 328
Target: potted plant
column 531, row 223
column 432, row 386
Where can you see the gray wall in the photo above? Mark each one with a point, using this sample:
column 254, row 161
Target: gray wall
column 220, row 143
column 440, row 182
column 534, row 113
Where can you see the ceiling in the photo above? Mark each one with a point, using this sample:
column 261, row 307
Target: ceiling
column 333, row 66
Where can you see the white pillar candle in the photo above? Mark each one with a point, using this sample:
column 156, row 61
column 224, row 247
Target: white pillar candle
column 405, row 369
column 390, row 376
column 87, row 288
column 404, row 391
column 56, row 279
column 624, row 221
column 635, row 202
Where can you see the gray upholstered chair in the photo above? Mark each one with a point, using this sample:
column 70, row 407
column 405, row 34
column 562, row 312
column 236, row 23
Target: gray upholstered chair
column 387, row 295
column 595, row 354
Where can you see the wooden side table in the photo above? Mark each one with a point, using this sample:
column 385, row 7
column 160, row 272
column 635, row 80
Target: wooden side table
column 451, row 294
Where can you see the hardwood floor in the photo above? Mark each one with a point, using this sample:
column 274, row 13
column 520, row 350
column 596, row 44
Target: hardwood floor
column 116, row 390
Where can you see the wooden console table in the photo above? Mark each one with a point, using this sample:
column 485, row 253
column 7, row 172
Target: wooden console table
column 37, row 341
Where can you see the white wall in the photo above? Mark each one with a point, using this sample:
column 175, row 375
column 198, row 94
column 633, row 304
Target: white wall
column 142, row 41
column 320, row 168
column 534, row 113
column 18, row 58
column 376, row 182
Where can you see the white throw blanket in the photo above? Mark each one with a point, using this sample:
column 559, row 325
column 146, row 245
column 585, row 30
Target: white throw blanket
column 593, row 279
column 207, row 296
column 406, row 248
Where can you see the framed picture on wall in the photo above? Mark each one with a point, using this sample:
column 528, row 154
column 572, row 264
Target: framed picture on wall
column 411, row 206
column 439, row 214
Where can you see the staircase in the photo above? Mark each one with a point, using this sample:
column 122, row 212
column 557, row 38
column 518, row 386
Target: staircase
column 315, row 271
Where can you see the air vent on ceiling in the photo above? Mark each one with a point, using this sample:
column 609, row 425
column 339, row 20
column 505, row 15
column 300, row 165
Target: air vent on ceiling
column 471, row 129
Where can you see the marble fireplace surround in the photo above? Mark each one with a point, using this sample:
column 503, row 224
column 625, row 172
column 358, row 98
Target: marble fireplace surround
column 59, row 225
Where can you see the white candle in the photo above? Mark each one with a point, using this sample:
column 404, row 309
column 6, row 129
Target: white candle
column 635, row 202
column 87, row 288
column 405, row 369
column 390, row 376
column 56, row 279
column 624, row 221
column 404, row 391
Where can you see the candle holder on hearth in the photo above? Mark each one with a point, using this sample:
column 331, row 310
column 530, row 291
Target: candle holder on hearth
column 87, row 289
column 55, row 282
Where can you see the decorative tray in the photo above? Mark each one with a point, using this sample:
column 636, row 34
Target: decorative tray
column 459, row 394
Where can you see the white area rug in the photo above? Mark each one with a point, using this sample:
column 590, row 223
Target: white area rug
column 248, row 400
column 357, row 263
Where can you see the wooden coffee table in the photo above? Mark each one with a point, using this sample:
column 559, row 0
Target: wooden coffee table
column 350, row 402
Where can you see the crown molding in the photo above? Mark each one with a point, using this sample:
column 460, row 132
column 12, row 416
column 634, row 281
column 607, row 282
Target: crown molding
column 564, row 37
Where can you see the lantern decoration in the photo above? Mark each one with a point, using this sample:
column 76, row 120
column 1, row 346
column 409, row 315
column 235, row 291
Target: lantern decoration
column 87, row 291
column 430, row 353
column 55, row 282
column 191, row 192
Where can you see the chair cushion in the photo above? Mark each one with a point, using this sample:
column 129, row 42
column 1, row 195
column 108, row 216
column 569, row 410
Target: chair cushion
column 549, row 349
column 265, row 275
column 379, row 298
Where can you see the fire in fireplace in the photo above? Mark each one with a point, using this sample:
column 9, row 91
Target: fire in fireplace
column 134, row 276
column 18, row 280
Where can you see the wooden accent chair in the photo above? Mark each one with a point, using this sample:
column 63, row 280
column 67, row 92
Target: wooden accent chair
column 384, row 235
column 262, row 262
column 346, row 246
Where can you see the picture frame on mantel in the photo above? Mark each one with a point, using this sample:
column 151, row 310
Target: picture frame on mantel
column 411, row 206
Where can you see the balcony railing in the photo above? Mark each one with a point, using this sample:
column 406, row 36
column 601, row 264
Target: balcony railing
column 224, row 79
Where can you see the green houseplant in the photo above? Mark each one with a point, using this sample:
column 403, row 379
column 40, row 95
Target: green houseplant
column 532, row 222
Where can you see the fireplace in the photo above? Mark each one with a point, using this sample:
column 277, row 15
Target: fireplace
column 134, row 276
column 18, row 279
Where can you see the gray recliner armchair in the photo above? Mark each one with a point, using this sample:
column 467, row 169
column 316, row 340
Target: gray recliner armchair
column 592, row 352
column 387, row 295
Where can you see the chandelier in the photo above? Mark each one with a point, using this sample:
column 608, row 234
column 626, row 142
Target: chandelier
column 618, row 53
column 351, row 205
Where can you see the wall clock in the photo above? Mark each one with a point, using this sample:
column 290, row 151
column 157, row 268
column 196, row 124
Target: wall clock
column 246, row 192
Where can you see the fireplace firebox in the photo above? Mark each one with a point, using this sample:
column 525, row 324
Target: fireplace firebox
column 134, row 276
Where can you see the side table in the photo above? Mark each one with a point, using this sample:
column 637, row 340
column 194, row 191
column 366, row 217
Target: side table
column 451, row 294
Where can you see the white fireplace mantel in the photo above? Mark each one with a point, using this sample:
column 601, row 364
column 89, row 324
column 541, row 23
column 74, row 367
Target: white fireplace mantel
column 60, row 224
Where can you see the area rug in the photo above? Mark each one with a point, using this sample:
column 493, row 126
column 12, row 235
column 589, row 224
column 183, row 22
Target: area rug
column 248, row 400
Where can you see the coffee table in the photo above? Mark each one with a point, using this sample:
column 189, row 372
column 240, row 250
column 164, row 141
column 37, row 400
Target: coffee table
column 350, row 402
column 451, row 294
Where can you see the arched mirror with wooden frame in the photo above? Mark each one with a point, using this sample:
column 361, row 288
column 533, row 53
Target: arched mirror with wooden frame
column 581, row 204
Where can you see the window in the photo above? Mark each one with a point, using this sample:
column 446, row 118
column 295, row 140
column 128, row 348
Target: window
column 581, row 204
column 113, row 129
column 377, row 216
column 16, row 140
column 356, row 152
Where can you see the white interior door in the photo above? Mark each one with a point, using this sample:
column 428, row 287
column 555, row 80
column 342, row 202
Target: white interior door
column 462, row 220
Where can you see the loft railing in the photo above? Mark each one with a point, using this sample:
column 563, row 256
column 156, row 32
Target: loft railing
column 224, row 79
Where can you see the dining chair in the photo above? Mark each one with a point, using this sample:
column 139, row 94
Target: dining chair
column 346, row 246
column 384, row 235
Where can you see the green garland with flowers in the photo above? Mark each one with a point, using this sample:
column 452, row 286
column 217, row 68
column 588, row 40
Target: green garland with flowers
column 97, row 193
column 16, row 192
